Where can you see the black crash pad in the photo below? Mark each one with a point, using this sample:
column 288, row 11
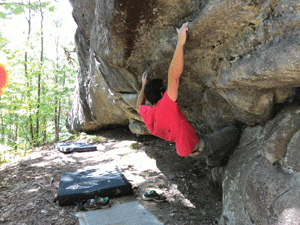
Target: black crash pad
column 75, row 147
column 83, row 185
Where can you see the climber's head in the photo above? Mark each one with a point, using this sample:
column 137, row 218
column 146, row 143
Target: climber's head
column 154, row 90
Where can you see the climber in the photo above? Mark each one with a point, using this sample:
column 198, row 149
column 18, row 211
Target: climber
column 165, row 120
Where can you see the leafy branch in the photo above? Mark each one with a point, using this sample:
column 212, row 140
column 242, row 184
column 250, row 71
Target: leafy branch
column 17, row 8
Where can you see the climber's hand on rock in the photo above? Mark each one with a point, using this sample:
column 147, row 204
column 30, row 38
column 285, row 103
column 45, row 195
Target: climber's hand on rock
column 144, row 79
column 182, row 33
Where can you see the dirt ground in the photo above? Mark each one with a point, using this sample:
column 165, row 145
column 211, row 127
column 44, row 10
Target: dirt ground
column 29, row 185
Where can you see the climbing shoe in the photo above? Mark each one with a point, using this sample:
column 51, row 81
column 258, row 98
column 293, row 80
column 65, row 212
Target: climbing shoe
column 151, row 195
column 97, row 203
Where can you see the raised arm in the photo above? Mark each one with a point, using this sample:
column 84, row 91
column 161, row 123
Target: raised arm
column 176, row 66
column 141, row 98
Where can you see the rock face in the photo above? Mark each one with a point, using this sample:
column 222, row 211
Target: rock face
column 261, row 182
column 242, row 63
column 241, row 58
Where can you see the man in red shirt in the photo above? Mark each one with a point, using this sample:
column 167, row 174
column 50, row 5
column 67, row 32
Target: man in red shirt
column 165, row 120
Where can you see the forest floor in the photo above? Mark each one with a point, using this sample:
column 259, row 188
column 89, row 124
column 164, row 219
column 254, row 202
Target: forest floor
column 29, row 185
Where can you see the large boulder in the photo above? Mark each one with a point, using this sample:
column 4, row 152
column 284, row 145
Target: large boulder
column 261, row 182
column 242, row 63
column 244, row 54
column 94, row 100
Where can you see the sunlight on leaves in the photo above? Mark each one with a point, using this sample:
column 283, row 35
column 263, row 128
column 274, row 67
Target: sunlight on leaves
column 2, row 15
column 18, row 10
column 34, row 106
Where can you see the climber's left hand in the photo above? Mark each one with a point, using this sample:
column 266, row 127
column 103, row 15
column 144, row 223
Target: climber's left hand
column 144, row 79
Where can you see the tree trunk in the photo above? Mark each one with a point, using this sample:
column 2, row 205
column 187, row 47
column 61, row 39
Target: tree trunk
column 2, row 128
column 40, row 73
column 56, row 109
column 2, row 124
column 10, row 136
column 16, row 136
column 45, row 129
column 28, row 77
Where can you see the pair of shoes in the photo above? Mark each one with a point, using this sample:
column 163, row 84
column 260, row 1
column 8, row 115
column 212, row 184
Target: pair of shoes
column 152, row 195
column 97, row 203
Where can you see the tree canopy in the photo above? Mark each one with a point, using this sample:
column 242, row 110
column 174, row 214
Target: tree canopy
column 34, row 105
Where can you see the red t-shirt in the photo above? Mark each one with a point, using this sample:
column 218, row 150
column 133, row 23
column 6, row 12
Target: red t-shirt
column 166, row 121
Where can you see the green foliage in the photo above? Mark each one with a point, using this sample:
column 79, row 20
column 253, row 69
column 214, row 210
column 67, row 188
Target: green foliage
column 133, row 146
column 2, row 15
column 19, row 101
column 20, row 108
column 8, row 6
column 12, row 8
column 51, row 9
column 17, row 8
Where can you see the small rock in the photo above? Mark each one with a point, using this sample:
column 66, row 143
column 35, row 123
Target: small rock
column 30, row 205
column 202, row 212
column 54, row 218
column 62, row 212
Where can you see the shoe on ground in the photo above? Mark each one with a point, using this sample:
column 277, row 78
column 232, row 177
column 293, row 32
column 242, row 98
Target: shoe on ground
column 97, row 203
column 151, row 195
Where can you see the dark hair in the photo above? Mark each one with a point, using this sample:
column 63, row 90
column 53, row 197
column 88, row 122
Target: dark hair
column 153, row 90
